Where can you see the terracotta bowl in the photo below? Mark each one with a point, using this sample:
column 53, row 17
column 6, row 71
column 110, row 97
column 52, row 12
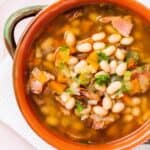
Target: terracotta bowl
column 22, row 52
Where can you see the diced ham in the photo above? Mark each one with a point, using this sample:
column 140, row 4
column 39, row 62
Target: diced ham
column 37, row 80
column 144, row 80
column 98, row 125
column 36, row 86
column 122, row 25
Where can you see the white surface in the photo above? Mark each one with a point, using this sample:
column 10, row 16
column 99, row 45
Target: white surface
column 9, row 112
column 10, row 140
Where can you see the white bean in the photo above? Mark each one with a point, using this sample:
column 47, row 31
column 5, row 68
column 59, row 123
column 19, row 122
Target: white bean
column 121, row 68
column 105, row 66
column 84, row 47
column 113, row 66
column 120, row 54
column 73, row 60
column 109, row 50
column 136, row 101
column 118, row 107
column 136, row 111
column 70, row 38
column 113, row 87
column 114, row 38
column 70, row 103
column 101, row 88
column 107, row 103
column 64, row 97
column 100, row 73
column 100, row 111
column 99, row 45
column 86, row 110
column 80, row 66
column 127, row 41
column 98, row 36
column 92, row 102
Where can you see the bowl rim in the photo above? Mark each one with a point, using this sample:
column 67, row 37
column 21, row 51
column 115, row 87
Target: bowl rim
column 131, row 140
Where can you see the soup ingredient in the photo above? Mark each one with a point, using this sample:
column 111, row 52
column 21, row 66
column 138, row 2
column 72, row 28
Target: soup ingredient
column 89, row 74
column 84, row 47
column 98, row 36
column 127, row 41
column 70, row 38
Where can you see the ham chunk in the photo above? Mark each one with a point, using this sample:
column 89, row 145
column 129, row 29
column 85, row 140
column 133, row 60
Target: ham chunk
column 37, row 80
column 122, row 25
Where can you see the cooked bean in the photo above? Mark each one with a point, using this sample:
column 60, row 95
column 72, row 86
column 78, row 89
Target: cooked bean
column 86, row 110
column 70, row 103
column 114, row 38
column 118, row 107
column 101, row 88
column 65, row 121
column 127, row 41
column 113, row 66
column 121, row 68
column 109, row 50
column 84, row 47
column 98, row 45
column 120, row 54
column 135, row 101
column 92, row 102
column 98, row 36
column 73, row 60
column 64, row 97
column 136, row 111
column 105, row 66
column 107, row 103
column 50, row 57
column 100, row 111
column 128, row 118
column 113, row 87
column 52, row 120
column 70, row 38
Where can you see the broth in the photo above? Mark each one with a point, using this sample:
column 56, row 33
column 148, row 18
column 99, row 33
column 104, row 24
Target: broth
column 83, row 23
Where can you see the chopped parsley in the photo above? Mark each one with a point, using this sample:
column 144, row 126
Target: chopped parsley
column 63, row 48
column 103, row 56
column 79, row 107
column 102, row 79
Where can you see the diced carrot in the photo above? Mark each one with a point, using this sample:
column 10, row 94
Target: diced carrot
column 62, row 56
column 135, row 86
column 132, row 63
column 57, row 86
column 92, row 59
column 72, row 50
column 127, row 100
column 61, row 78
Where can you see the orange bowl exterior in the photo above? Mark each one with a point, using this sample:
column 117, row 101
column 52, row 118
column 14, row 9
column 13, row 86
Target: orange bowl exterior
column 135, row 138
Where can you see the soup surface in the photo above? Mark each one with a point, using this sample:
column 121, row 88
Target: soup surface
column 88, row 74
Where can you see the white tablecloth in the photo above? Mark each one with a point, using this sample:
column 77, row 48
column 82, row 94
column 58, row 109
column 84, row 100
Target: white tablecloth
column 9, row 111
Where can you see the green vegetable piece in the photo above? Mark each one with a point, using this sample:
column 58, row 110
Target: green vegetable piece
column 102, row 79
column 127, row 76
column 126, row 87
column 79, row 107
column 103, row 56
column 115, row 77
column 63, row 48
column 132, row 55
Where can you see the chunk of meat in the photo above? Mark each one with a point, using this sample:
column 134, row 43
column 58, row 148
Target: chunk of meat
column 98, row 125
column 89, row 94
column 122, row 25
column 37, row 80
column 144, row 80
column 140, row 82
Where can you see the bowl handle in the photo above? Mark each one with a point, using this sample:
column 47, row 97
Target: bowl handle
column 11, row 23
